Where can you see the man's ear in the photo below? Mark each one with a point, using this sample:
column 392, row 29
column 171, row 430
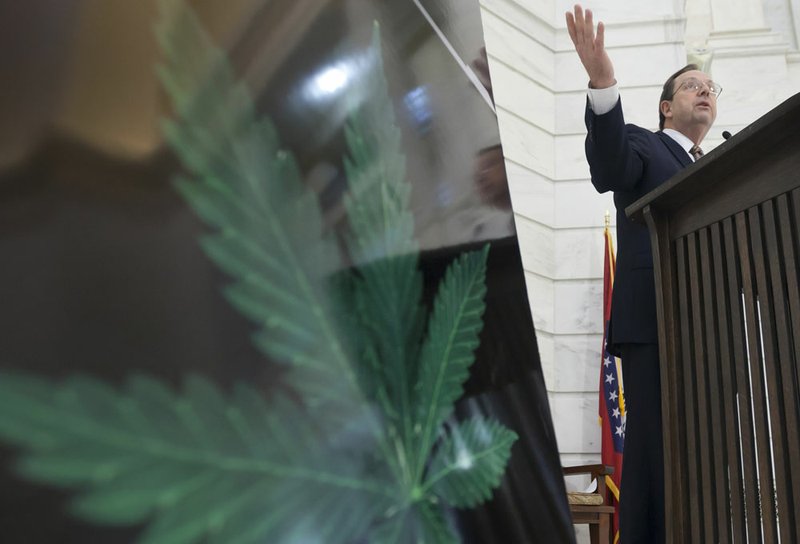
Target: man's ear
column 666, row 108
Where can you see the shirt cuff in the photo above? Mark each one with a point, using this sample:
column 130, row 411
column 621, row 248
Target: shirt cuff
column 603, row 100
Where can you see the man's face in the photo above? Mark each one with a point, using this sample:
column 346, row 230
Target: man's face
column 690, row 110
column 490, row 176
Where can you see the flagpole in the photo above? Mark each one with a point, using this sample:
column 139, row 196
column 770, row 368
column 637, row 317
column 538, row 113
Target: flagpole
column 608, row 219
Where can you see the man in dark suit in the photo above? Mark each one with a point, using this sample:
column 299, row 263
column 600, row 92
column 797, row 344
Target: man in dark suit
column 631, row 161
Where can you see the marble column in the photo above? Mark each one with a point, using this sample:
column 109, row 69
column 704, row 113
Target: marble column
column 737, row 15
column 739, row 25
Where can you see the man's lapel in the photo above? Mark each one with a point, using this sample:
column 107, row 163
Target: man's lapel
column 675, row 148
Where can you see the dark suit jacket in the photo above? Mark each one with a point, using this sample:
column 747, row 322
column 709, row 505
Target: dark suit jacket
column 631, row 161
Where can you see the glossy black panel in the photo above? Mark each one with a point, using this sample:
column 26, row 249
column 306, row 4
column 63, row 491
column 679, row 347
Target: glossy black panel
column 103, row 275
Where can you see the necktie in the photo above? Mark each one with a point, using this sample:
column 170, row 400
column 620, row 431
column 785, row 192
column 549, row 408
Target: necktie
column 696, row 152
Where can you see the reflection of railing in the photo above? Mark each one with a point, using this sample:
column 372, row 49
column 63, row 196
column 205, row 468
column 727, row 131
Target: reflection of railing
column 726, row 249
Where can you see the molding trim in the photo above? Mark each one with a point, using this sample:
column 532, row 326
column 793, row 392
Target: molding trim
column 747, row 43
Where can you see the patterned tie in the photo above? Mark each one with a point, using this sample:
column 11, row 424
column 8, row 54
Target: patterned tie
column 696, row 152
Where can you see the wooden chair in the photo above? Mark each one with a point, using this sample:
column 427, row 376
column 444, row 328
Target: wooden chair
column 592, row 508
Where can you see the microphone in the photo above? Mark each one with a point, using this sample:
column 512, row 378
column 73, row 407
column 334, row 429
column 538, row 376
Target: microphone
column 726, row 134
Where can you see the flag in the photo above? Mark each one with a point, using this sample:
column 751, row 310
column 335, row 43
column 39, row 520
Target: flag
column 612, row 400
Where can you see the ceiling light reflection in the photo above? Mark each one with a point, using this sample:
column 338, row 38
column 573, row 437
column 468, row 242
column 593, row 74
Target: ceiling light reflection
column 330, row 81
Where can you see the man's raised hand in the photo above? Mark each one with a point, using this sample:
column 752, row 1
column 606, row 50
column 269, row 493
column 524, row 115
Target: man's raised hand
column 590, row 48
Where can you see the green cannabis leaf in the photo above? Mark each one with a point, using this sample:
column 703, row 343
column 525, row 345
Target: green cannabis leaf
column 269, row 227
column 470, row 462
column 363, row 446
column 200, row 464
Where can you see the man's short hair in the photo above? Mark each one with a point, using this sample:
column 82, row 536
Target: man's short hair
column 669, row 91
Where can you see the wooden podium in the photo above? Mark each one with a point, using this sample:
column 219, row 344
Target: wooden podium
column 726, row 247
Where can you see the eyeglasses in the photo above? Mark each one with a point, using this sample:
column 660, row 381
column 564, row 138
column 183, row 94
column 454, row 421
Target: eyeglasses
column 694, row 85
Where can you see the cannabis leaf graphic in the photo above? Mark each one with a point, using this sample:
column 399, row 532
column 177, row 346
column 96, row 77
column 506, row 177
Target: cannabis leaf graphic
column 200, row 464
column 362, row 446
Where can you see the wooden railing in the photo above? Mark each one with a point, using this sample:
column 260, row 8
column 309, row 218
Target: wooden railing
column 726, row 249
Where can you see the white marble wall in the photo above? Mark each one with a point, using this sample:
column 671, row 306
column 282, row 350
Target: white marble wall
column 540, row 92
